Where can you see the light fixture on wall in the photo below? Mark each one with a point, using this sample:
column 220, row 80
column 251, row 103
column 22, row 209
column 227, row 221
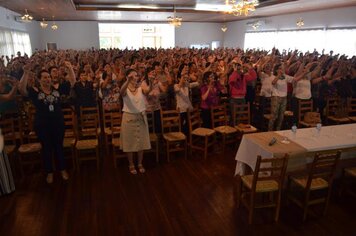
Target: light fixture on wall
column 300, row 22
column 43, row 24
column 176, row 21
column 241, row 7
column 224, row 28
column 256, row 25
column 26, row 17
column 54, row 25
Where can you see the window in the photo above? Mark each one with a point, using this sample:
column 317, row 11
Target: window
column 135, row 35
column 12, row 42
column 342, row 41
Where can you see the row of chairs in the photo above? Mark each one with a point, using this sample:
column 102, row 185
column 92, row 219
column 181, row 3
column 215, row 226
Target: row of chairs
column 84, row 135
column 335, row 113
column 305, row 190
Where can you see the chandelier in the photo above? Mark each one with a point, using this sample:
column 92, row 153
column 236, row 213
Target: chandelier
column 224, row 28
column 54, row 25
column 176, row 21
column 241, row 7
column 300, row 22
column 43, row 24
column 27, row 17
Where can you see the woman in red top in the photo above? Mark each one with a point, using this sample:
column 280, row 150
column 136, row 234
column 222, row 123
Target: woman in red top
column 210, row 91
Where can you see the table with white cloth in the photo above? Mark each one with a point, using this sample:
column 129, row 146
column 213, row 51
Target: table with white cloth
column 300, row 146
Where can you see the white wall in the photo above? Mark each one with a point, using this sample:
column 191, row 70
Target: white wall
column 71, row 35
column 340, row 17
column 198, row 33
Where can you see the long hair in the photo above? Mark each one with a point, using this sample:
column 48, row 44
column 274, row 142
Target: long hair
column 179, row 75
column 147, row 71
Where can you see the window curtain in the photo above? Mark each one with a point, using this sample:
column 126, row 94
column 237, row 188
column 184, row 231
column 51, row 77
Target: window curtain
column 342, row 41
column 12, row 42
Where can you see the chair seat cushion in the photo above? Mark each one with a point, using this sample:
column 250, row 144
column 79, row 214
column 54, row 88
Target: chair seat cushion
column 244, row 128
column 351, row 171
column 69, row 134
column 203, row 132
column 225, row 129
column 115, row 142
column 30, row 147
column 174, row 136
column 317, row 183
column 68, row 142
column 352, row 118
column 153, row 137
column 288, row 113
column 339, row 120
column 107, row 131
column 261, row 186
column 9, row 149
column 306, row 124
column 86, row 144
column 267, row 116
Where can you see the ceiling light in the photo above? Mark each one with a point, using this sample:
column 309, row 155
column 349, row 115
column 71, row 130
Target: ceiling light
column 241, row 7
column 224, row 28
column 176, row 21
column 43, row 24
column 256, row 25
column 26, row 17
column 54, row 25
column 300, row 22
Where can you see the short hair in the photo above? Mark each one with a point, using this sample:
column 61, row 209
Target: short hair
column 40, row 73
column 275, row 68
column 51, row 68
column 129, row 71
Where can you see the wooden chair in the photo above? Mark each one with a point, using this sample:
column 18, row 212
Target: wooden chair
column 115, row 128
column 106, row 129
column 219, row 124
column 305, row 106
column 268, row 177
column 319, row 180
column 347, row 180
column 173, row 139
column 200, row 138
column 29, row 151
column 70, row 133
column 333, row 106
column 242, row 119
column 352, row 109
column 8, row 131
column 154, row 139
column 88, row 136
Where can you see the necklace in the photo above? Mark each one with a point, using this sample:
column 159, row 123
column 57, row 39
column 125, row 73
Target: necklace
column 132, row 90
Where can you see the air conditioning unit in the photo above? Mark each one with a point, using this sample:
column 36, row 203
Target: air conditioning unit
column 256, row 23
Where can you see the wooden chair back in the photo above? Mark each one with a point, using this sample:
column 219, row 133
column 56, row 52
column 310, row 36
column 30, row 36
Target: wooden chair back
column 323, row 166
column 89, row 122
column 70, row 127
column 304, row 106
column 241, row 114
column 352, row 106
column 270, row 169
column 218, row 116
column 170, row 120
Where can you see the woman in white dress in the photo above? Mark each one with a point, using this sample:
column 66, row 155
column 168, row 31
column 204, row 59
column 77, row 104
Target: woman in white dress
column 134, row 135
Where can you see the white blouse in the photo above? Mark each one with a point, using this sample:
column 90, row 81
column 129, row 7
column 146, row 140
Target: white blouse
column 266, row 85
column 280, row 89
column 134, row 103
column 302, row 88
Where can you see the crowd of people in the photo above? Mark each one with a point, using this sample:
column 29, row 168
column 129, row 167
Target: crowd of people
column 148, row 80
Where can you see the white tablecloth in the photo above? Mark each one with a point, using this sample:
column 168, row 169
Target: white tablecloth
column 329, row 138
